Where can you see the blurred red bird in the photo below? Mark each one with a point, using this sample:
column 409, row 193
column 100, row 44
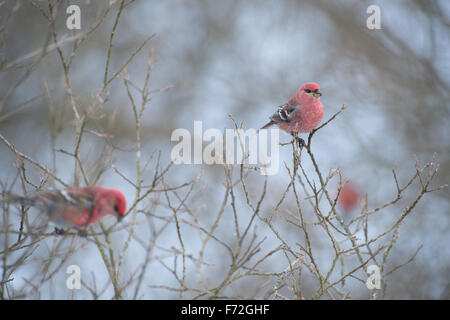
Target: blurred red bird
column 74, row 206
column 302, row 113
column 348, row 197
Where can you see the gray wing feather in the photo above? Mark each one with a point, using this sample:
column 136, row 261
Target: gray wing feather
column 283, row 114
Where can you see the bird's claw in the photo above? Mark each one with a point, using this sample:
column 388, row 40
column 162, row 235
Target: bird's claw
column 300, row 142
column 59, row 231
column 82, row 233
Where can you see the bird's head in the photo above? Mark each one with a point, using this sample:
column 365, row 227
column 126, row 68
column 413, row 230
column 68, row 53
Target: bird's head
column 308, row 93
column 119, row 203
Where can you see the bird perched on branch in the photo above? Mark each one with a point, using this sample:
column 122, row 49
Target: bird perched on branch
column 74, row 206
column 302, row 113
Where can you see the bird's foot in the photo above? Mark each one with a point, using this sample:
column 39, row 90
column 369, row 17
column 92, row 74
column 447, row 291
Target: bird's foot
column 82, row 232
column 300, row 142
column 59, row 231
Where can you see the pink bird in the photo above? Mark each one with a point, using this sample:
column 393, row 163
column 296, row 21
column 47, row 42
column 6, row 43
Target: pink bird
column 348, row 197
column 75, row 206
column 302, row 113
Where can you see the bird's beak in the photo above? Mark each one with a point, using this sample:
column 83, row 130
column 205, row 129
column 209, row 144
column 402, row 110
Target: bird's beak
column 317, row 93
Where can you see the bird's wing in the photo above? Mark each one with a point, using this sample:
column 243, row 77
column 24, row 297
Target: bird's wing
column 69, row 205
column 77, row 199
column 68, row 198
column 284, row 113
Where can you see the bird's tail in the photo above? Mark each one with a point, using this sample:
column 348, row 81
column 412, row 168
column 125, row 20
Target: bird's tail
column 270, row 123
column 11, row 198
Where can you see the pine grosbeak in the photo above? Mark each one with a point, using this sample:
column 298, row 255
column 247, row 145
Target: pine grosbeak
column 302, row 113
column 75, row 206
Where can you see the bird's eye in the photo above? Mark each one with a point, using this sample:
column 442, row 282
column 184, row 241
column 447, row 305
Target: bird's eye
column 307, row 91
column 116, row 209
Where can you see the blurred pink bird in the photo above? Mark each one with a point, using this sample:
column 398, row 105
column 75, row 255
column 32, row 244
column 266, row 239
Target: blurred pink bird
column 302, row 113
column 74, row 206
column 348, row 197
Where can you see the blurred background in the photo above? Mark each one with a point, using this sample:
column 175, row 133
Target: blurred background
column 245, row 59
